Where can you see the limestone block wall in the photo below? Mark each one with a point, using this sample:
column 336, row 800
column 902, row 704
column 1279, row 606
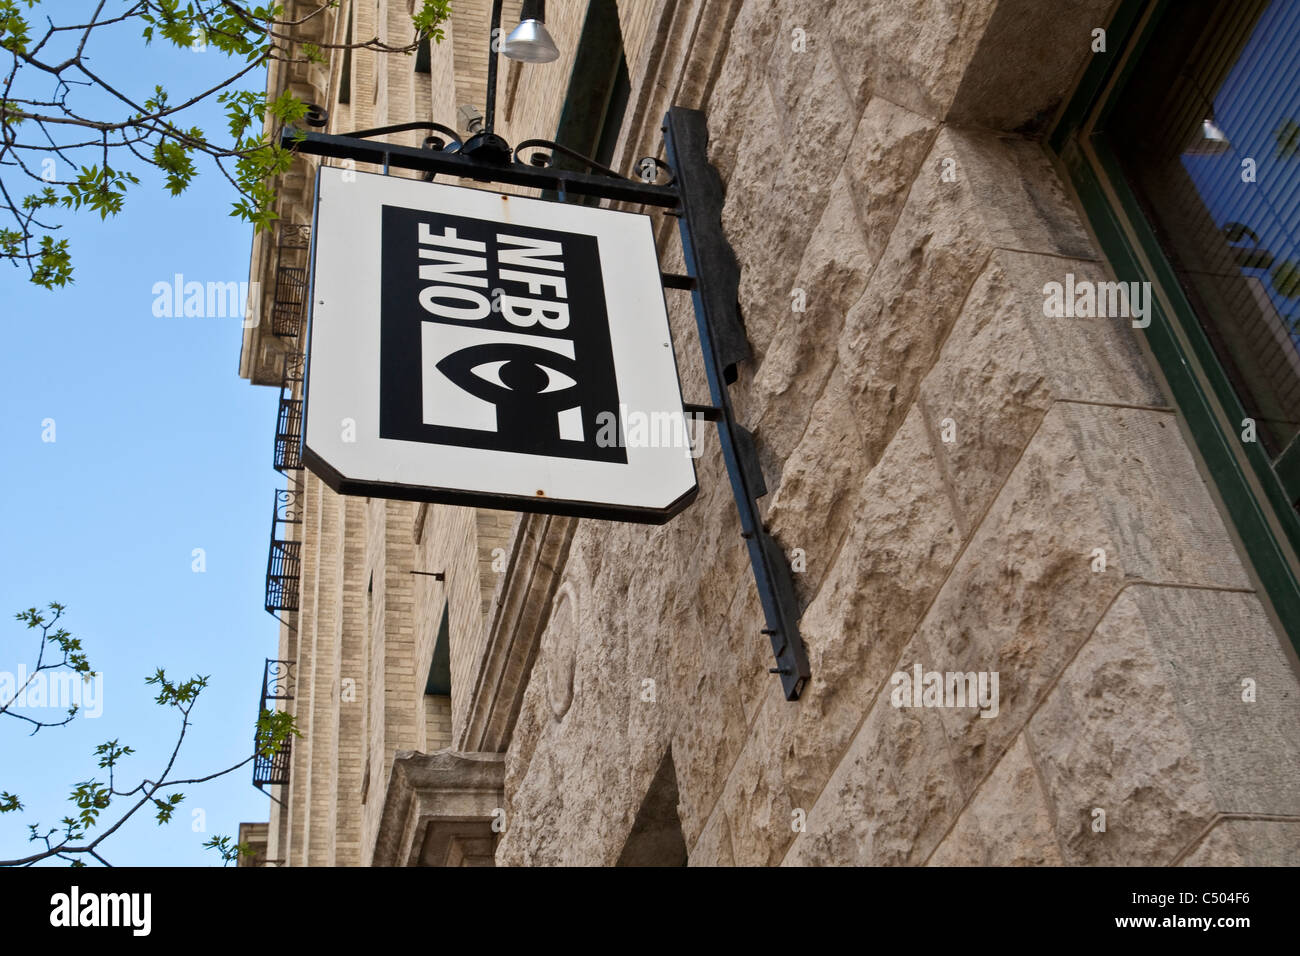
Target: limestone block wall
column 948, row 460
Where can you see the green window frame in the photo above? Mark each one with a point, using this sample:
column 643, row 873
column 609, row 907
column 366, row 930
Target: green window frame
column 1256, row 494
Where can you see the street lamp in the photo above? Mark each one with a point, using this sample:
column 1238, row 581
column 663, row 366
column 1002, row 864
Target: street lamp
column 530, row 42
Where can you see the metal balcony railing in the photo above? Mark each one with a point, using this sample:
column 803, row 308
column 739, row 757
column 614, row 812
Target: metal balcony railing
column 288, row 423
column 290, row 303
column 277, row 685
column 283, row 563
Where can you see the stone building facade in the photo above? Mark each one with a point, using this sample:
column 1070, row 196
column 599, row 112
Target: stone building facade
column 963, row 485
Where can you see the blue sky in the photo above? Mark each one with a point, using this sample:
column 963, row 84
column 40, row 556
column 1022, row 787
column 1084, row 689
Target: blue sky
column 160, row 449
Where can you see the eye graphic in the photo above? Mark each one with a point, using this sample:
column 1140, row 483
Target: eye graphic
column 521, row 376
column 511, row 374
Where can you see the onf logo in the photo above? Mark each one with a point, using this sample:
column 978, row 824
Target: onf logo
column 494, row 336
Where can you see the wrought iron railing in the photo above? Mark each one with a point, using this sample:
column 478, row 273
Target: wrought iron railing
column 277, row 685
column 283, row 563
column 288, row 423
column 290, row 303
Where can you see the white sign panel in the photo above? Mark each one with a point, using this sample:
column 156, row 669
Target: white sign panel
column 474, row 348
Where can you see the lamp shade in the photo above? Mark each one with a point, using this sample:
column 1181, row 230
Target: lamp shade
column 530, row 42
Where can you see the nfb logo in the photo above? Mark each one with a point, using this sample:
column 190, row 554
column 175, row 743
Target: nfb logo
column 494, row 336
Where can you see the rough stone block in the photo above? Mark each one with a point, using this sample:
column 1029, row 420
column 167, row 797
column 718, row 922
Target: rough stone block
column 892, row 798
column 911, row 52
column 1029, row 56
column 813, row 505
column 1005, row 362
column 998, row 193
column 796, row 365
column 1248, row 843
column 1006, row 823
column 884, row 157
column 1025, row 596
column 1148, row 723
column 740, row 85
column 1108, row 741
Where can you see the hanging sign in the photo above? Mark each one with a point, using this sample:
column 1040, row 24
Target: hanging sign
column 474, row 348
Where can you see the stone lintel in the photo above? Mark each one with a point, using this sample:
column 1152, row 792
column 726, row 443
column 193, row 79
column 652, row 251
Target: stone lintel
column 254, row 836
column 439, row 809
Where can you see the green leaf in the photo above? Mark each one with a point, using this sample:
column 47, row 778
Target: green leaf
column 54, row 268
column 428, row 18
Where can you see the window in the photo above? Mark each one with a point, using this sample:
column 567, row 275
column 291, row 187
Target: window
column 1183, row 142
column 439, row 679
column 1207, row 134
column 598, row 93
column 437, row 689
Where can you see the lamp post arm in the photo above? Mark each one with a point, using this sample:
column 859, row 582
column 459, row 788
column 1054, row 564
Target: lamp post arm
column 494, row 31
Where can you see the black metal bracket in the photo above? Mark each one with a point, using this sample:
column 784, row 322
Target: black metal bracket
column 456, row 163
column 711, row 262
column 694, row 195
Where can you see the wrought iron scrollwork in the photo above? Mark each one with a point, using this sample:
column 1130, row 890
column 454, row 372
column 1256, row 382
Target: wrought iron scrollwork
column 290, row 302
column 295, row 235
column 573, row 154
column 452, row 144
column 289, row 418
column 294, row 364
column 648, row 169
column 277, row 685
column 316, row 116
column 277, row 681
column 283, row 561
column 286, row 506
